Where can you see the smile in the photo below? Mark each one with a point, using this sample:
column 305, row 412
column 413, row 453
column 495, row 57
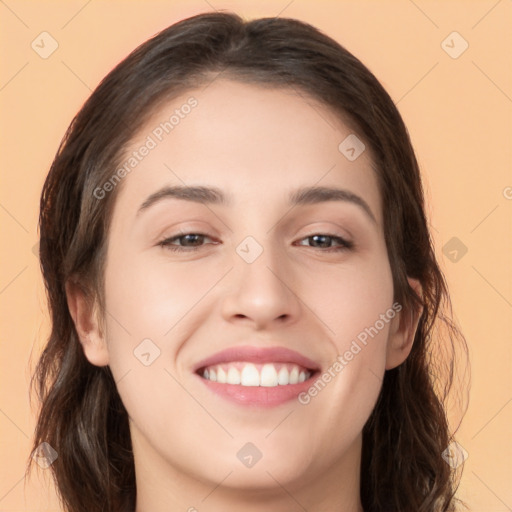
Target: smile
column 253, row 375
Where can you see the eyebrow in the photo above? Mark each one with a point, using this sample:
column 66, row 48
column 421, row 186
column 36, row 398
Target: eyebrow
column 215, row 196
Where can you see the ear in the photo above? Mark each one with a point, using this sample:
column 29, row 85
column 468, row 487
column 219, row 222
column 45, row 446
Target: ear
column 84, row 312
column 402, row 331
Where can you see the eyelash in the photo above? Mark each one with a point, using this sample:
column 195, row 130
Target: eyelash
column 167, row 243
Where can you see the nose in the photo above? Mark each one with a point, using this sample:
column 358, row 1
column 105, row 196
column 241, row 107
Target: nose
column 261, row 294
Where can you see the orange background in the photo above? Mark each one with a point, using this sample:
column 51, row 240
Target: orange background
column 458, row 112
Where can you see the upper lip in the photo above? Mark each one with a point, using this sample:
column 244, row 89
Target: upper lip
column 261, row 355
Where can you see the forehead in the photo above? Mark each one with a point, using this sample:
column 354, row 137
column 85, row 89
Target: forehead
column 256, row 143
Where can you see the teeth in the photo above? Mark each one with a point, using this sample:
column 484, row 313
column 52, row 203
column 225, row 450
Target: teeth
column 268, row 376
column 221, row 376
column 233, row 376
column 283, row 377
column 249, row 374
column 294, row 375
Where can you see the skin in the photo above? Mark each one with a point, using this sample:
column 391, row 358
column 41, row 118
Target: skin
column 256, row 145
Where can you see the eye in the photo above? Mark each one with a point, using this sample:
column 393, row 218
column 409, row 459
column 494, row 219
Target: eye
column 188, row 242
column 323, row 242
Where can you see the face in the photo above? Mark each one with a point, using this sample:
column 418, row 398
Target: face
column 290, row 285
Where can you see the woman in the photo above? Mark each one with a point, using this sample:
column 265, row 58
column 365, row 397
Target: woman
column 242, row 285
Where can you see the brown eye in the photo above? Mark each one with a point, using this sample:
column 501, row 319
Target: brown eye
column 324, row 241
column 186, row 242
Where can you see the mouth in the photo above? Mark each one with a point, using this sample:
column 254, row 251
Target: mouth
column 255, row 376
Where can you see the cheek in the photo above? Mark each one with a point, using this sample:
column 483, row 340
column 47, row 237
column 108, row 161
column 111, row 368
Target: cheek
column 152, row 308
column 147, row 307
column 351, row 299
column 150, row 298
column 356, row 306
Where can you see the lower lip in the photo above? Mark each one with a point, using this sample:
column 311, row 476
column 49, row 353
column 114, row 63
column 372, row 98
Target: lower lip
column 259, row 396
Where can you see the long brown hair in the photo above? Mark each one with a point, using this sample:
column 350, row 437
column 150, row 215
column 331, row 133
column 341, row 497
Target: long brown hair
column 81, row 414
